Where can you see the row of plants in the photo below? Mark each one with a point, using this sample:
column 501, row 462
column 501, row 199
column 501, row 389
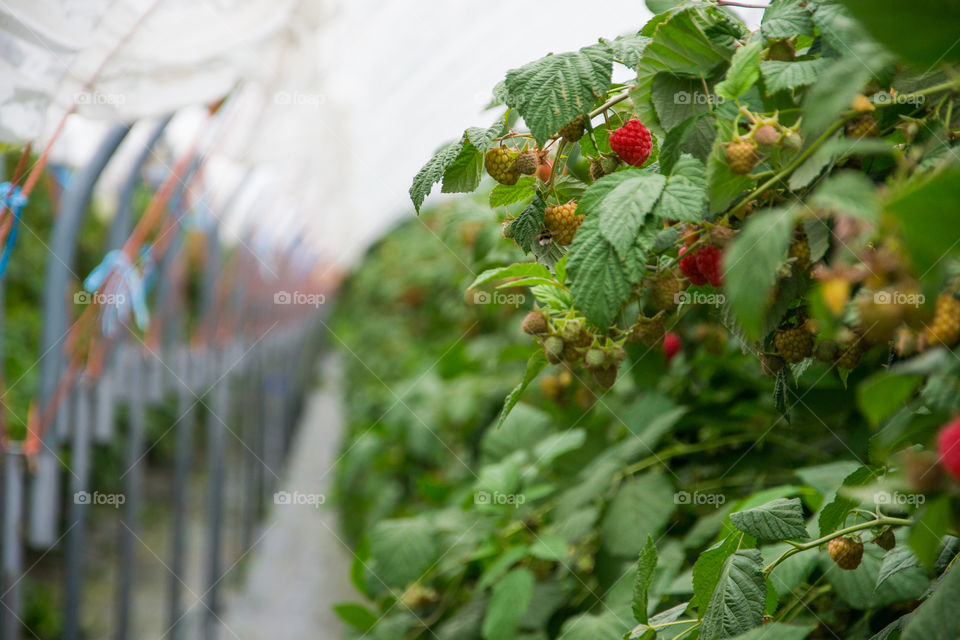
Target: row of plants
column 737, row 414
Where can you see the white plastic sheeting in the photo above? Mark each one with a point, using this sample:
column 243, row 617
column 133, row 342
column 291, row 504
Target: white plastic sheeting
column 335, row 104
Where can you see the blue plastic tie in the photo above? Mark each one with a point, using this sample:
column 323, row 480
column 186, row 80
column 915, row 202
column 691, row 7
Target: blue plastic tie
column 11, row 198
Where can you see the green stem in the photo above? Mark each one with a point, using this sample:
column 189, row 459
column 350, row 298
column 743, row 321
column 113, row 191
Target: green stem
column 684, row 449
column 943, row 86
column 798, row 547
column 609, row 103
column 670, row 624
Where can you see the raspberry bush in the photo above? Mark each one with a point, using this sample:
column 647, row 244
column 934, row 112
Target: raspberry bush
column 742, row 269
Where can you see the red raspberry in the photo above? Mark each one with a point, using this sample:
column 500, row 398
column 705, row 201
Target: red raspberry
column 948, row 443
column 632, row 142
column 688, row 265
column 710, row 264
column 672, row 344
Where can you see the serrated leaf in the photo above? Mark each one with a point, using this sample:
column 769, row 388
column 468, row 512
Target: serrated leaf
column 628, row 49
column 929, row 620
column 776, row 520
column 485, row 139
column 401, row 550
column 786, row 19
column 707, row 570
column 673, row 144
column 849, row 192
column 535, row 365
column 518, row 270
column 433, row 171
column 779, row 75
column 751, row 265
column 508, row 602
column 620, row 202
column 898, row 559
column 832, row 515
column 737, row 603
column 743, row 72
column 554, row 90
column 529, row 223
column 646, row 565
column 684, row 197
column 503, row 194
column 463, row 174
column 601, row 284
column 641, row 507
column 680, row 46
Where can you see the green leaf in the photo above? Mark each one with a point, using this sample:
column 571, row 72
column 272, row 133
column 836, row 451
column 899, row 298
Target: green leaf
column 401, row 550
column 433, row 171
column 591, row 627
column 549, row 546
column 835, row 512
column 500, row 566
column 508, row 602
column 881, row 394
column 628, row 49
column 725, row 185
column 646, row 565
column 743, row 72
column 529, row 223
column 849, row 192
column 680, row 46
column 641, row 507
column 779, row 75
column 620, row 202
column 463, row 174
column 858, row 588
column 535, row 365
column 924, row 209
column 736, row 606
column 837, row 85
column 503, row 194
column 786, row 19
column 776, row 520
column 708, row 567
column 896, row 560
column 554, row 90
column 776, row 631
column 601, row 284
column 648, row 630
column 934, row 619
column 554, row 446
column 924, row 33
column 673, row 144
column 751, row 265
column 931, row 524
column 518, row 270
column 685, row 196
column 356, row 615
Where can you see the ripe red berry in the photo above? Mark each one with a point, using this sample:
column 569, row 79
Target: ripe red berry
column 688, row 265
column 948, row 443
column 710, row 264
column 672, row 344
column 632, row 142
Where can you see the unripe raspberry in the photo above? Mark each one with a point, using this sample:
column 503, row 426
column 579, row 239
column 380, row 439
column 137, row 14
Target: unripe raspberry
column 594, row 358
column 886, row 540
column 562, row 222
column 850, row 353
column 782, row 50
column 741, row 156
column 800, row 252
column 827, row 351
column 770, row 365
column 846, row 552
column 501, row 164
column 616, row 354
column 948, row 445
column 605, row 376
column 506, row 229
column 602, row 166
column 688, row 266
column 862, row 103
column 945, row 327
column 553, row 346
column 573, row 130
column 863, row 127
column 663, row 291
column 792, row 141
column 794, row 344
column 648, row 331
column 923, row 471
column 571, row 330
column 534, row 323
column 766, row 135
column 527, row 163
column 632, row 142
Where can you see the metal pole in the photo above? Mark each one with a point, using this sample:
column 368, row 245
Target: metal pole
column 216, row 434
column 182, row 459
column 12, row 543
column 79, row 485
